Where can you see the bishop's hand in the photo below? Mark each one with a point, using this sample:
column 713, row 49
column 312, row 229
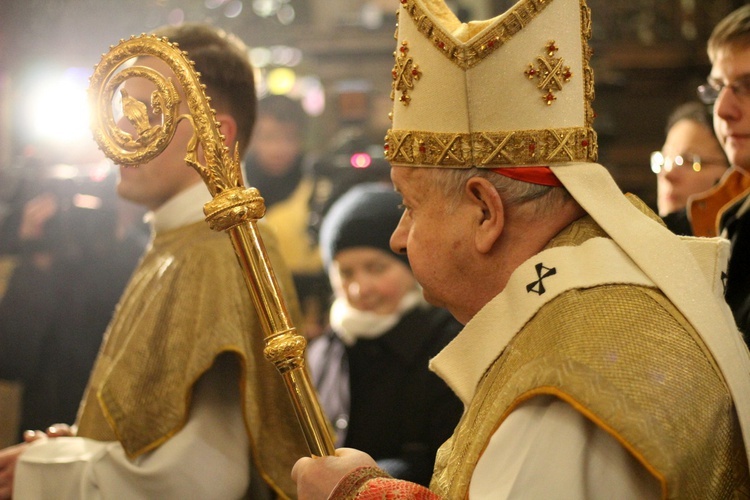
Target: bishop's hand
column 316, row 477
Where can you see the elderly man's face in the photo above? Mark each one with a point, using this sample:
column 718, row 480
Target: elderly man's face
column 434, row 237
column 731, row 68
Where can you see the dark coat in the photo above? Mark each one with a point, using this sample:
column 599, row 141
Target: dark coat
column 400, row 411
column 51, row 326
column 738, row 272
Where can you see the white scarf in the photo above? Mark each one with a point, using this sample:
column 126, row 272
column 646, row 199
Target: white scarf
column 351, row 324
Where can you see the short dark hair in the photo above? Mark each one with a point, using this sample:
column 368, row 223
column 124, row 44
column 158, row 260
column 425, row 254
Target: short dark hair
column 733, row 30
column 284, row 109
column 694, row 111
column 222, row 60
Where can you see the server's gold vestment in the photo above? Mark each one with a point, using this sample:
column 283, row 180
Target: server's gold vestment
column 185, row 305
column 289, row 218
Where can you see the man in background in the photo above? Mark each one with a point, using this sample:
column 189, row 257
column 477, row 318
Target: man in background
column 727, row 208
column 278, row 166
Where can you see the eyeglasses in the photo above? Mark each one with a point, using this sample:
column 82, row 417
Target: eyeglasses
column 691, row 163
column 709, row 91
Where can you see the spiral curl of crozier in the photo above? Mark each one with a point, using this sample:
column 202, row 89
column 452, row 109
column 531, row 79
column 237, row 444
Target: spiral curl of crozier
column 220, row 170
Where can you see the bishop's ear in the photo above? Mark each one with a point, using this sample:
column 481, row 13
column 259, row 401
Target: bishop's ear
column 489, row 213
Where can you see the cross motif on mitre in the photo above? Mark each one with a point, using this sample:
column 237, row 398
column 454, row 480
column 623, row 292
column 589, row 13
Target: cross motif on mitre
column 550, row 73
column 405, row 72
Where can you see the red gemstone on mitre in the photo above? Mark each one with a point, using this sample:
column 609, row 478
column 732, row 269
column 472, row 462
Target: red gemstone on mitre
column 584, row 143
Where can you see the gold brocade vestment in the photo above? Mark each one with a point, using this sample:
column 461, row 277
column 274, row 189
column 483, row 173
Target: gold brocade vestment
column 186, row 304
column 624, row 357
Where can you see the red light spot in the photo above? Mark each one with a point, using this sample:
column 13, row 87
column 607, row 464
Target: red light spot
column 360, row 160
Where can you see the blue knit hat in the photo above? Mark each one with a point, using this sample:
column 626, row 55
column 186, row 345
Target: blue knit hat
column 365, row 216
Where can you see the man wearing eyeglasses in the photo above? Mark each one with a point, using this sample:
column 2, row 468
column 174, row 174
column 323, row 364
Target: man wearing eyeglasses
column 728, row 90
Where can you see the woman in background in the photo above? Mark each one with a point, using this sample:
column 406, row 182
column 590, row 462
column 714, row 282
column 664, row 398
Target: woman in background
column 691, row 161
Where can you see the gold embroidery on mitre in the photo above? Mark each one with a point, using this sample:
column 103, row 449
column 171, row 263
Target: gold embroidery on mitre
column 490, row 149
column 517, row 18
column 405, row 72
column 550, row 73
column 467, row 56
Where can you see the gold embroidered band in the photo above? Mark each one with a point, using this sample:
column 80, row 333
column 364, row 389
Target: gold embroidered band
column 491, row 149
column 466, row 56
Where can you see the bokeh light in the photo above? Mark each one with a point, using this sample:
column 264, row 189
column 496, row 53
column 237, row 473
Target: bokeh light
column 360, row 160
column 280, row 80
column 233, row 9
column 176, row 17
column 57, row 106
column 214, row 4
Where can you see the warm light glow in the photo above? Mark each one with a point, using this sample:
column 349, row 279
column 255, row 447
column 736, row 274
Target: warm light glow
column 87, row 201
column 63, row 171
column 280, row 80
column 58, row 107
column 657, row 160
column 265, row 8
